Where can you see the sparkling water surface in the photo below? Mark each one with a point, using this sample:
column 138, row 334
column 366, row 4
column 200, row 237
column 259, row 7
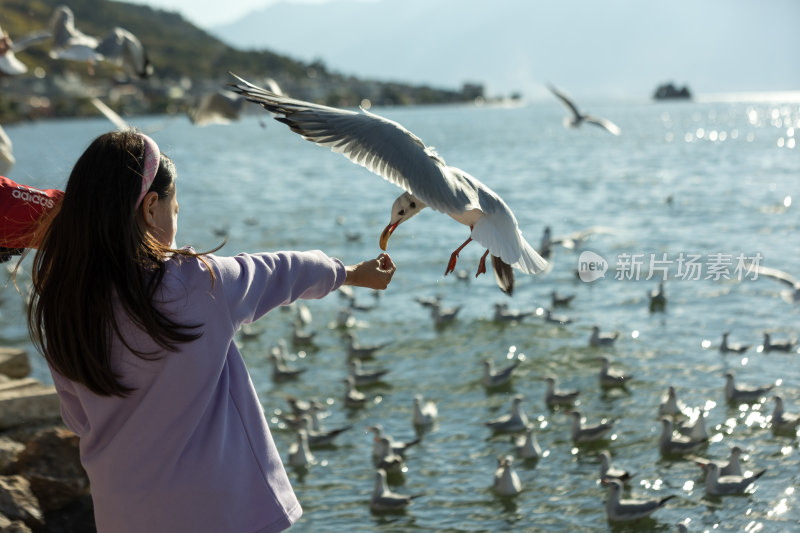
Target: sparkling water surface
column 714, row 180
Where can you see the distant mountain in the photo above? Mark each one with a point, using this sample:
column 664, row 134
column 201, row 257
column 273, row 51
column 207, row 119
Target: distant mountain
column 187, row 61
column 385, row 39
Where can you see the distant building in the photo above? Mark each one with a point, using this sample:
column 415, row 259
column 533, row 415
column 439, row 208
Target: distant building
column 472, row 91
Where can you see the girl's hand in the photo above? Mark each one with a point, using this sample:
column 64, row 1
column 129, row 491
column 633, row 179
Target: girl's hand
column 372, row 274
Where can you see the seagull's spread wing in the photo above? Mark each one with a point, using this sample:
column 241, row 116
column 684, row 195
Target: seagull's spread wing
column 31, row 39
column 603, row 123
column 779, row 275
column 124, row 49
column 109, row 113
column 382, row 146
column 566, row 101
column 220, row 107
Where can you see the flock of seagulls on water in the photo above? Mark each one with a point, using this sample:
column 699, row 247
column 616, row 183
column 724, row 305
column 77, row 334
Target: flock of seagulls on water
column 364, row 138
column 683, row 434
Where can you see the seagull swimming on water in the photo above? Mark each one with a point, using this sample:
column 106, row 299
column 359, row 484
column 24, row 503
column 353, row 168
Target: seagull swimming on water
column 670, row 405
column 353, row 397
column 577, row 118
column 497, row 378
column 503, row 314
column 560, row 301
column 506, row 479
column 619, row 510
column 609, row 471
column 425, row 412
column 582, row 433
column 743, row 393
column 514, row 422
column 602, row 339
column 783, row 345
column 318, row 437
column 553, row 396
column 364, row 377
column 299, row 452
column 443, row 315
column 397, row 447
column 658, row 298
column 609, row 377
column 670, row 443
column 527, row 446
column 561, row 320
column 385, row 501
column 782, row 421
column 391, row 151
column 719, row 485
column 731, row 466
column 726, row 346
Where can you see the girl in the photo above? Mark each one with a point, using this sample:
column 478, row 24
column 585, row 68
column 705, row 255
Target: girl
column 139, row 339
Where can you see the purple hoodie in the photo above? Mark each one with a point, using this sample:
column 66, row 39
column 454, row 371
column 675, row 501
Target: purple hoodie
column 190, row 449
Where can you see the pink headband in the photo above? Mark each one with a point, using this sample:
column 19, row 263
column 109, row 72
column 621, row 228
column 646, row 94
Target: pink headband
column 152, row 158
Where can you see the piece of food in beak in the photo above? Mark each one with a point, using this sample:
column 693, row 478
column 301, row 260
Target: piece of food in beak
column 387, row 232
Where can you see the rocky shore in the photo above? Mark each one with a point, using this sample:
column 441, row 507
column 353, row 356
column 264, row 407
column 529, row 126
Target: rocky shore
column 43, row 487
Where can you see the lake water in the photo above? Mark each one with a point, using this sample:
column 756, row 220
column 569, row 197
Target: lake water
column 709, row 180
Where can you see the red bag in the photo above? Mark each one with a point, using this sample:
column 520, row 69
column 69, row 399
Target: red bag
column 21, row 209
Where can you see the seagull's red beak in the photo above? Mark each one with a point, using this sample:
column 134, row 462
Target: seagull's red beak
column 386, row 233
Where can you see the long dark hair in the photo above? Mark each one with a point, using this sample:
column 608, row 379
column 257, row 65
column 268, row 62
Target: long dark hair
column 95, row 255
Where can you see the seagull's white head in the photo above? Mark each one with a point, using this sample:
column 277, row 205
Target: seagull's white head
column 406, row 206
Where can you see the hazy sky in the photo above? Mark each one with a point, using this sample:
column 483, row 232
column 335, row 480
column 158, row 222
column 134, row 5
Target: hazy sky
column 208, row 13
column 604, row 48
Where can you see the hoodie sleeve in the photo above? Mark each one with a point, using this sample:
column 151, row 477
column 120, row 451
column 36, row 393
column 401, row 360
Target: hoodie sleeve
column 254, row 284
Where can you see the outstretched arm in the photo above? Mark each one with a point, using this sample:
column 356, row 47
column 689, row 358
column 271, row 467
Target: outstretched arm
column 373, row 274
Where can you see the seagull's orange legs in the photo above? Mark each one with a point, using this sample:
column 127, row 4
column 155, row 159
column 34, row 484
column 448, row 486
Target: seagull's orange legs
column 451, row 266
column 482, row 264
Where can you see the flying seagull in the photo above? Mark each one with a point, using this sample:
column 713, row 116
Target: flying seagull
column 118, row 46
column 9, row 64
column 577, row 117
column 388, row 149
column 792, row 294
column 222, row 107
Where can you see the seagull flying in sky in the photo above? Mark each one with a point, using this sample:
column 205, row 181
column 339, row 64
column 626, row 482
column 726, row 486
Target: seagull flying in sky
column 577, row 117
column 394, row 153
column 118, row 46
column 792, row 294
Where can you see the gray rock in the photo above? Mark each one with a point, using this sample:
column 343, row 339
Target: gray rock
column 17, row 501
column 12, row 526
column 14, row 362
column 9, row 451
column 27, row 401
